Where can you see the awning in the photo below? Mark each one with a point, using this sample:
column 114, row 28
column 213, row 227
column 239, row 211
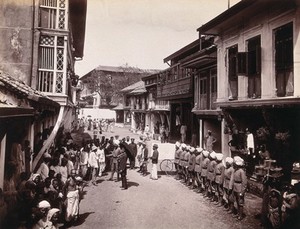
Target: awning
column 202, row 58
column 7, row 111
column 119, row 107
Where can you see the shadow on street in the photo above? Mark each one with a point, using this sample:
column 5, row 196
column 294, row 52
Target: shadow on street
column 82, row 218
column 130, row 183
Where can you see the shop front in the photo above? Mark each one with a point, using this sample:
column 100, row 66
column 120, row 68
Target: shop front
column 267, row 137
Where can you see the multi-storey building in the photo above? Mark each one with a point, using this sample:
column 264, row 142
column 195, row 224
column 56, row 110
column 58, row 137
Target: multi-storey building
column 209, row 116
column 101, row 86
column 175, row 84
column 158, row 112
column 258, row 70
column 40, row 42
column 135, row 104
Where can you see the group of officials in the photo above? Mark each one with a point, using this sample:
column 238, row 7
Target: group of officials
column 221, row 180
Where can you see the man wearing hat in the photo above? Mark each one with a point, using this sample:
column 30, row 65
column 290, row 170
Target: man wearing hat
column 227, row 186
column 198, row 161
column 133, row 148
column 114, row 165
column 191, row 168
column 186, row 164
column 181, row 153
column 239, row 181
column 144, row 168
column 204, row 166
column 154, row 159
column 122, row 167
column 93, row 163
column 176, row 159
column 219, row 178
column 44, row 167
column 211, row 175
column 40, row 215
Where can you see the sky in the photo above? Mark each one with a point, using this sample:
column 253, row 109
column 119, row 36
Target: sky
column 141, row 33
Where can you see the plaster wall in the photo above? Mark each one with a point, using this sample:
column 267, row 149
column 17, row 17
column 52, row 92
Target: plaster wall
column 16, row 38
column 262, row 25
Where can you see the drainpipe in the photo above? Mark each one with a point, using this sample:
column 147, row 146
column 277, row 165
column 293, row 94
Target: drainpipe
column 32, row 42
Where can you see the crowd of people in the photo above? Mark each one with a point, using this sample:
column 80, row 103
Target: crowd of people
column 50, row 197
column 99, row 124
column 224, row 182
column 137, row 154
column 46, row 198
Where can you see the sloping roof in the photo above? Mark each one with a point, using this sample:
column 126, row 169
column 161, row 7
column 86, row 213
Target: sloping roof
column 109, row 68
column 21, row 88
column 137, row 85
column 119, row 107
column 138, row 91
column 121, row 69
column 243, row 11
column 184, row 50
column 237, row 8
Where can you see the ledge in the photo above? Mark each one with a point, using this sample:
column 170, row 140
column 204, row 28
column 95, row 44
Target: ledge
column 272, row 102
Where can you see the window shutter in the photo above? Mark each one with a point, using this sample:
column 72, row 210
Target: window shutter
column 258, row 59
column 242, row 63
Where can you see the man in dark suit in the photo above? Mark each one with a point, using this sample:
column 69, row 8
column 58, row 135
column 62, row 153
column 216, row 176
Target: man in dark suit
column 133, row 148
column 122, row 160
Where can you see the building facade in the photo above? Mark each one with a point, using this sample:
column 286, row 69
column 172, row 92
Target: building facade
column 101, row 86
column 175, row 84
column 209, row 116
column 40, row 42
column 134, row 105
column 258, row 68
column 158, row 112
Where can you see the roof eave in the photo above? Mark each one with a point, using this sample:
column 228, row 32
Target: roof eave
column 206, row 28
column 183, row 50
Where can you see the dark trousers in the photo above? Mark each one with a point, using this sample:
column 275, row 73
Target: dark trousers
column 124, row 179
column 132, row 163
column 199, row 180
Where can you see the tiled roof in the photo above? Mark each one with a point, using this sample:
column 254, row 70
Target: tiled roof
column 121, row 69
column 137, row 85
column 137, row 91
column 20, row 87
column 119, row 107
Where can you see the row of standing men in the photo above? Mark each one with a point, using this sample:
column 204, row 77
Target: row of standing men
column 221, row 181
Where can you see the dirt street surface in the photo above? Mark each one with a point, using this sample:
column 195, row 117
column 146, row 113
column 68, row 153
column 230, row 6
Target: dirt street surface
column 164, row 203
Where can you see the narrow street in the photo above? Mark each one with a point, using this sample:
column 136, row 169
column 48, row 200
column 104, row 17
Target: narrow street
column 165, row 203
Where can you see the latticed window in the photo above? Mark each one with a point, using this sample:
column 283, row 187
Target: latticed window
column 53, row 14
column 51, row 64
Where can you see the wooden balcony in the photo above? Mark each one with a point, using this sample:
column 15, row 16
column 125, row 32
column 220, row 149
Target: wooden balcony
column 180, row 88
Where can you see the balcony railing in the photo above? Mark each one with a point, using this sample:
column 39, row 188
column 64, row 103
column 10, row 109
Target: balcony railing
column 49, row 81
column 173, row 88
column 162, row 107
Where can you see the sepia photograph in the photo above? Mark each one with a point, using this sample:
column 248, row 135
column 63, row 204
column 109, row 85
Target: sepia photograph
column 150, row 114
